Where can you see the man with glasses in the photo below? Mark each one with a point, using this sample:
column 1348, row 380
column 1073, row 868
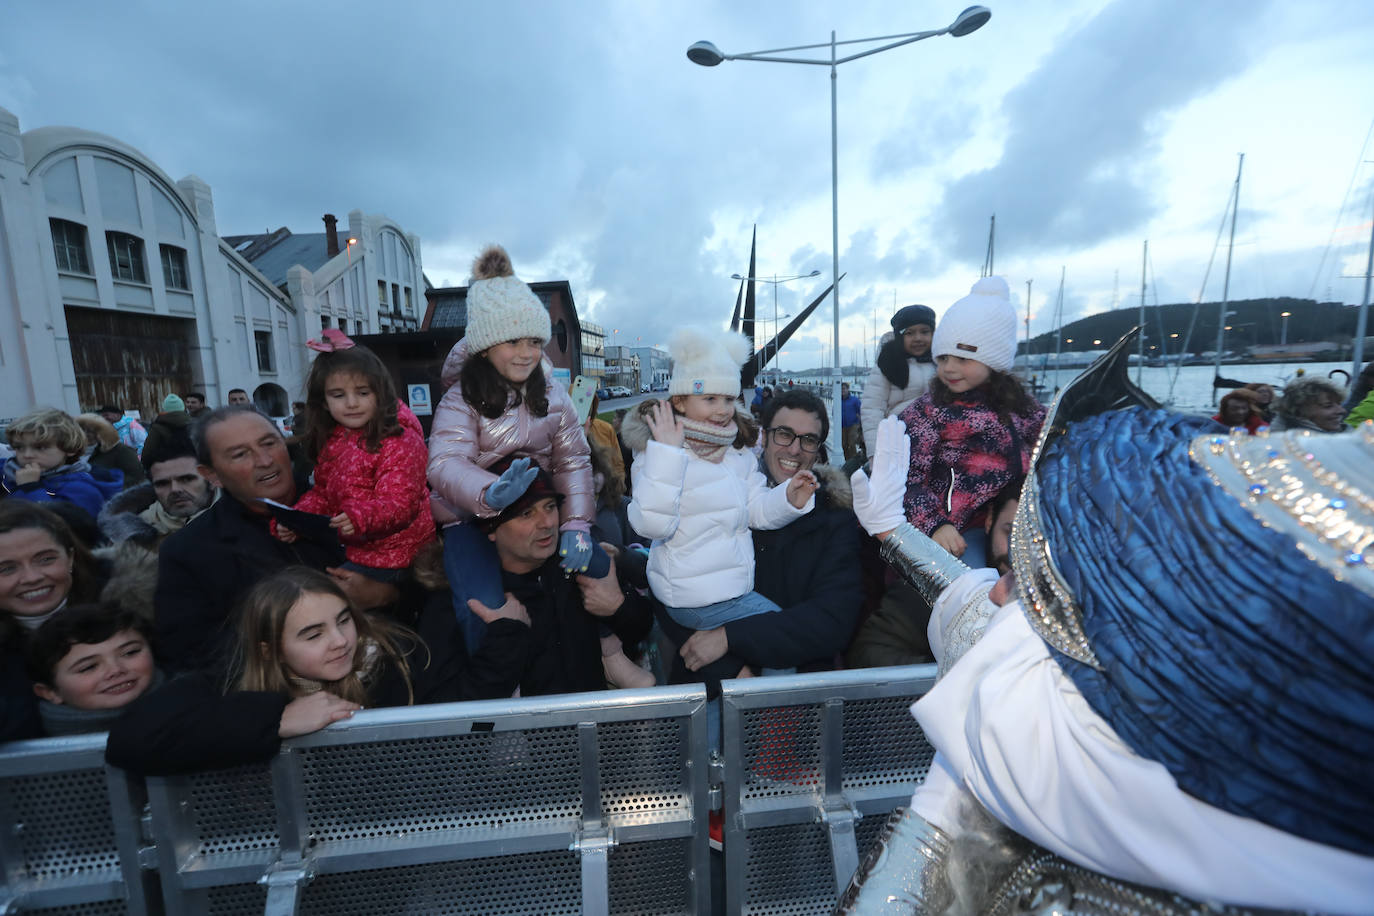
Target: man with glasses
column 810, row 567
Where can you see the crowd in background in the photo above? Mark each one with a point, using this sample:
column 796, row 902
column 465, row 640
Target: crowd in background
column 208, row 585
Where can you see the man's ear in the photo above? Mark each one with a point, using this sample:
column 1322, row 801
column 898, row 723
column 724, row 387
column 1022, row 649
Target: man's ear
column 45, row 692
column 208, row 473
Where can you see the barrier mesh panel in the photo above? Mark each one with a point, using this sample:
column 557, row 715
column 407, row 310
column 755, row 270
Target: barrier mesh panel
column 642, row 768
column 239, row 900
column 101, row 908
column 442, row 783
column 544, row 882
column 782, row 751
column 233, row 810
column 62, row 823
column 883, row 744
column 652, row 878
column 788, row 871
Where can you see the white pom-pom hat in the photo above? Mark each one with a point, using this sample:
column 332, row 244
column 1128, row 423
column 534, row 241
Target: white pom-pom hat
column 706, row 361
column 980, row 326
column 500, row 306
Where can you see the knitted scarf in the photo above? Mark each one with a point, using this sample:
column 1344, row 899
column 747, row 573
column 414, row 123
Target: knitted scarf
column 707, row 440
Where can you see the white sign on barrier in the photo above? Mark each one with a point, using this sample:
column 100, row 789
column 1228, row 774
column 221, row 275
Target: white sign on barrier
column 418, row 396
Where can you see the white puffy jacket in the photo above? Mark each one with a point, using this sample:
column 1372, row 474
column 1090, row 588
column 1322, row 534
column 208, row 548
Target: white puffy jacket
column 698, row 514
column 881, row 398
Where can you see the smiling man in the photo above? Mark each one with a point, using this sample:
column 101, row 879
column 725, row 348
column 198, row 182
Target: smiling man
column 207, row 565
column 564, row 646
column 809, row 567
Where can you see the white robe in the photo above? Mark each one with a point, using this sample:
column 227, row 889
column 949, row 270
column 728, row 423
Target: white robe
column 1011, row 728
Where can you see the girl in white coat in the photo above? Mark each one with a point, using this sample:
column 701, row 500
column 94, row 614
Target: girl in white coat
column 903, row 371
column 698, row 489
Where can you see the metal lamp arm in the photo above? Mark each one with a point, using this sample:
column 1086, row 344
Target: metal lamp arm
column 767, row 56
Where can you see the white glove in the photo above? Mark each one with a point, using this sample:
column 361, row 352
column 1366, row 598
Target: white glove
column 878, row 500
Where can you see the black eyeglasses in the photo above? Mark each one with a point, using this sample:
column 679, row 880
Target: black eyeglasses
column 785, row 436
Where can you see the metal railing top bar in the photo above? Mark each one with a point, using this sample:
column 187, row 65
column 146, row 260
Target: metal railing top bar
column 435, row 719
column 43, row 755
column 801, row 689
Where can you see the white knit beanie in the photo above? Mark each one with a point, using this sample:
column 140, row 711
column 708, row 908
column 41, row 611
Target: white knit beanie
column 706, row 361
column 500, row 307
column 980, row 326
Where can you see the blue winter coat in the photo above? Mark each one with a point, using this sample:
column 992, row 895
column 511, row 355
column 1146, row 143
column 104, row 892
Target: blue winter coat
column 77, row 483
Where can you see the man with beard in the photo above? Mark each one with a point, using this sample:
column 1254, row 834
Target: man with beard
column 175, row 494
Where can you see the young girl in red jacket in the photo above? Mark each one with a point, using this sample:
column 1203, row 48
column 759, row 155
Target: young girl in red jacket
column 973, row 430
column 369, row 454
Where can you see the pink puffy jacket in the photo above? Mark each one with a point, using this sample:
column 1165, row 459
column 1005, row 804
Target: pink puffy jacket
column 463, row 443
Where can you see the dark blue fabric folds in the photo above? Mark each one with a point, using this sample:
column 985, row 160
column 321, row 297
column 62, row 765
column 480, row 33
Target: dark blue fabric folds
column 1228, row 656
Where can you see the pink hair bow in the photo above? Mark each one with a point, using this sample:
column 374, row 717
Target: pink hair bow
column 334, row 340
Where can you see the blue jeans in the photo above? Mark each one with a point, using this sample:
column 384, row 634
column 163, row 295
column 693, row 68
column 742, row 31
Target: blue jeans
column 474, row 571
column 722, row 612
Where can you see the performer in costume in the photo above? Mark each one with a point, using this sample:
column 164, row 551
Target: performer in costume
column 1173, row 696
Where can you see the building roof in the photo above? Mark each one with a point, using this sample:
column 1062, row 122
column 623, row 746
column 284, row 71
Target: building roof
column 448, row 305
column 274, row 253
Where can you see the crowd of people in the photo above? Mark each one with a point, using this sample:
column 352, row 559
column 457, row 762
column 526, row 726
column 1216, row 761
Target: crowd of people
column 199, row 594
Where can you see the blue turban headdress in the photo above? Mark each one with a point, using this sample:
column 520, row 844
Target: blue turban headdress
column 1212, row 598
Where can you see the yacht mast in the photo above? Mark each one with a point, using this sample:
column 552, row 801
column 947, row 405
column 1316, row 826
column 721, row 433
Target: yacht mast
column 1140, row 345
column 1226, row 283
column 1357, row 356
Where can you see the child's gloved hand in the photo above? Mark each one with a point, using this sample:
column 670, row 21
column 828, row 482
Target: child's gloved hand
column 511, row 485
column 575, row 547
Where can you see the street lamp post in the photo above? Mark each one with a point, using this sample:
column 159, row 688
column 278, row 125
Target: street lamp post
column 706, row 54
column 1283, row 338
column 775, row 281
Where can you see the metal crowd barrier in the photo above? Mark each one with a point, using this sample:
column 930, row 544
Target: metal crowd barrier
column 813, row 764
column 70, row 831
column 588, row 803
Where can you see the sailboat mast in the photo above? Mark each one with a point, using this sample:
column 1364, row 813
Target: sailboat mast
column 992, row 235
column 1028, row 344
column 1058, row 327
column 1140, row 345
column 1357, row 357
column 1226, row 283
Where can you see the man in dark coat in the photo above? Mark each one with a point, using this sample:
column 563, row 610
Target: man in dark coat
column 809, row 567
column 564, row 613
column 205, row 567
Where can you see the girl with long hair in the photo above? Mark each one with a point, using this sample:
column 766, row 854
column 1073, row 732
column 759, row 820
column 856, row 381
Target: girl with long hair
column 972, row 433
column 305, row 658
column 369, row 454
column 903, row 372
column 501, row 402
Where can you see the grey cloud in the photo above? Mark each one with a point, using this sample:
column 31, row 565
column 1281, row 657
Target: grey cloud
column 1082, row 127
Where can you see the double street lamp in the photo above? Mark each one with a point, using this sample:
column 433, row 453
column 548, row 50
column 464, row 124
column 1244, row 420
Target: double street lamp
column 707, row 54
column 775, row 281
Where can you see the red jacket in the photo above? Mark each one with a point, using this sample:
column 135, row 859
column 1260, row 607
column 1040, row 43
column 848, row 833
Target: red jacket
column 384, row 493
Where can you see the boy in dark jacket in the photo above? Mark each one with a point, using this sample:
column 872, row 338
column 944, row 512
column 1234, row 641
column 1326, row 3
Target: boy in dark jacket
column 49, row 463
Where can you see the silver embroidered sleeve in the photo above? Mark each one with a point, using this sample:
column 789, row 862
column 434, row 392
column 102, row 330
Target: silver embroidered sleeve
column 906, row 871
column 927, row 566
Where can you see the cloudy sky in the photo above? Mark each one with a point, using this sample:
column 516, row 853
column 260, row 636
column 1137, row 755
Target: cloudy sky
column 581, row 137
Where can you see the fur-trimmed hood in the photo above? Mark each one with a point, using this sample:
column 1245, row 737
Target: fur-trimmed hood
column 634, row 429
column 119, row 518
column 133, row 577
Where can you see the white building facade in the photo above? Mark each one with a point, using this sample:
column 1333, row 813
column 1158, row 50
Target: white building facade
column 116, row 287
